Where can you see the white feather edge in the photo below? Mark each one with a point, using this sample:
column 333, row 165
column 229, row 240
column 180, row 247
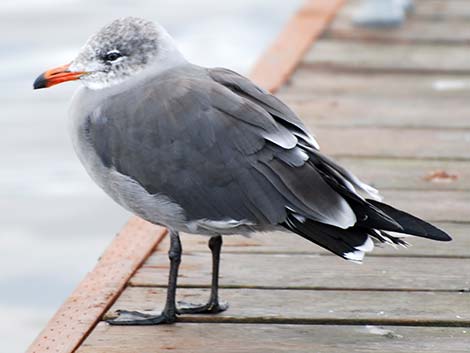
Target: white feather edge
column 369, row 190
column 217, row 225
column 358, row 255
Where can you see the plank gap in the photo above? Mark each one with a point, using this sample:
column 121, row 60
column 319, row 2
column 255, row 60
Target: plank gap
column 396, row 188
column 406, row 158
column 395, row 127
column 307, row 288
column 343, row 68
column 402, row 255
column 214, row 319
column 349, row 37
column 328, row 254
column 327, row 321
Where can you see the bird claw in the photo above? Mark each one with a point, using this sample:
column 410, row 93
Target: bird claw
column 209, row 308
column 132, row 318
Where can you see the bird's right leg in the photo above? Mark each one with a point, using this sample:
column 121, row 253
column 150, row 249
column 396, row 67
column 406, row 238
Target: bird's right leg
column 213, row 306
column 168, row 315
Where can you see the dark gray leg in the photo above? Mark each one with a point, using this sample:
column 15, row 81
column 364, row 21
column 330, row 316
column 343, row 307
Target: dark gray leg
column 168, row 315
column 213, row 306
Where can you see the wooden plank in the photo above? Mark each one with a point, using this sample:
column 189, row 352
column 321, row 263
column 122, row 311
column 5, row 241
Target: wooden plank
column 439, row 10
column 381, row 100
column 307, row 82
column 98, row 290
column 433, row 206
column 427, row 22
column 250, row 338
column 277, row 63
column 307, row 306
column 393, row 143
column 431, row 10
column 436, row 206
column 412, row 32
column 384, row 57
column 315, row 272
column 355, row 110
column 446, row 11
column 275, row 243
column 400, row 174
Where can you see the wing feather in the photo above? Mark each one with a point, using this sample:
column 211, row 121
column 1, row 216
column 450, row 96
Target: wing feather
column 280, row 111
column 217, row 152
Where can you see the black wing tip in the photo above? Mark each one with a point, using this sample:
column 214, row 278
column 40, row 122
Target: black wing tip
column 430, row 231
column 442, row 236
column 411, row 224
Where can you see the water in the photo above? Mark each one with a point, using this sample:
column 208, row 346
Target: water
column 55, row 221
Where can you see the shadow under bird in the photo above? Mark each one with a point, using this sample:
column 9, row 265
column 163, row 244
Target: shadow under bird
column 206, row 151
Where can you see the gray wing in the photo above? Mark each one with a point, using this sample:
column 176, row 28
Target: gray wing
column 281, row 112
column 216, row 153
column 285, row 116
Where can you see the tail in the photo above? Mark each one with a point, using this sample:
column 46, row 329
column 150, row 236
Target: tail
column 374, row 219
column 353, row 243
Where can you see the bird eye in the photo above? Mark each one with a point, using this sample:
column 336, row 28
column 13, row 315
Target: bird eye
column 112, row 55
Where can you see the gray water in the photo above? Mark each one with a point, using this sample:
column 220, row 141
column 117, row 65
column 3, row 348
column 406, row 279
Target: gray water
column 54, row 221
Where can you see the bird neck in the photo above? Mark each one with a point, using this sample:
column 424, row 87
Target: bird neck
column 168, row 55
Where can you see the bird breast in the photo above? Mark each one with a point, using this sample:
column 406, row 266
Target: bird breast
column 155, row 208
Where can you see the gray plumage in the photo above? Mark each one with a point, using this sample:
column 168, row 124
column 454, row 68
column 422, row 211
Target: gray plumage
column 217, row 154
column 207, row 151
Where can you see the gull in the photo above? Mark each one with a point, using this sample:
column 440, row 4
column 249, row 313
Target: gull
column 206, row 151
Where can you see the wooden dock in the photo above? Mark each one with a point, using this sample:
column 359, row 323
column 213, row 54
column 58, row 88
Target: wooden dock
column 393, row 106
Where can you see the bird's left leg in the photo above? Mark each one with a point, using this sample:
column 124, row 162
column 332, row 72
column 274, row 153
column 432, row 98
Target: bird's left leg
column 168, row 315
column 213, row 306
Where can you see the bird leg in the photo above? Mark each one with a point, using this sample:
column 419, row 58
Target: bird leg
column 213, row 306
column 168, row 315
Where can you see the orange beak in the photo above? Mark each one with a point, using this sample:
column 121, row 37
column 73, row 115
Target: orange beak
column 55, row 76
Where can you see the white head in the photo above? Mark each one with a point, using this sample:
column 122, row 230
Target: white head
column 120, row 50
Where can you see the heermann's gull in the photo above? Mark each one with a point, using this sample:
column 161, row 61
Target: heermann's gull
column 206, row 151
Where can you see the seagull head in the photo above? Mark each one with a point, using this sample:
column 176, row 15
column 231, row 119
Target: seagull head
column 120, row 50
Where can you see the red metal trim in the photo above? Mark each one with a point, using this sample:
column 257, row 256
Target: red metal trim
column 79, row 314
column 276, row 65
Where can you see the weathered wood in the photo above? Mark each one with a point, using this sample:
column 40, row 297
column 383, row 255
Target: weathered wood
column 410, row 174
column 285, row 243
column 417, row 31
column 379, row 100
column 446, row 11
column 311, row 83
column 443, row 10
column 278, row 62
column 93, row 296
column 395, row 143
column 262, row 338
column 426, row 24
column 433, row 206
column 306, row 306
column 366, row 110
column 367, row 56
column 313, row 272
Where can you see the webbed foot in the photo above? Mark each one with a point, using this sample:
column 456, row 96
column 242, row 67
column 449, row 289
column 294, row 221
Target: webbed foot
column 130, row 318
column 209, row 308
